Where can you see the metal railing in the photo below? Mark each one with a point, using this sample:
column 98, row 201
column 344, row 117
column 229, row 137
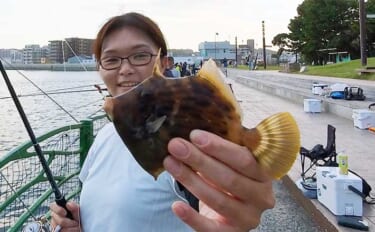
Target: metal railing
column 25, row 193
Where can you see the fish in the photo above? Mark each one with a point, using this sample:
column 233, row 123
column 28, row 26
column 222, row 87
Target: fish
column 150, row 114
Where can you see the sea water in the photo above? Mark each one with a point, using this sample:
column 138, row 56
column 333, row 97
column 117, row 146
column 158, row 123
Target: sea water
column 43, row 114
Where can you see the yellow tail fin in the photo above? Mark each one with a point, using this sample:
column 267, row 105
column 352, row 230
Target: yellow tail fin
column 275, row 143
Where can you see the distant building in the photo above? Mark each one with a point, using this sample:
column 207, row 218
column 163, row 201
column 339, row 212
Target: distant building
column 180, row 52
column 13, row 56
column 77, row 47
column 82, row 59
column 62, row 50
column 217, row 50
column 34, row 54
column 188, row 59
column 56, row 52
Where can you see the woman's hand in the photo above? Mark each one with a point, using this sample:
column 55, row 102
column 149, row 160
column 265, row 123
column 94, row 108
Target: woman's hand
column 59, row 218
column 232, row 188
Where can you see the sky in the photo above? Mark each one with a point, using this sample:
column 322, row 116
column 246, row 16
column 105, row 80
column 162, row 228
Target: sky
column 185, row 23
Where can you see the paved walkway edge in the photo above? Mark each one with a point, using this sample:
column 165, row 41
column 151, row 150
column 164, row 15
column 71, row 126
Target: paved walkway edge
column 308, row 206
column 313, row 208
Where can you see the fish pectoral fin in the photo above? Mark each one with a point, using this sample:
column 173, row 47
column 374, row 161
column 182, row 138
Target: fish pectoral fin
column 153, row 125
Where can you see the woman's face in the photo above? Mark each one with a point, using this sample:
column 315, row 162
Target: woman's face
column 123, row 43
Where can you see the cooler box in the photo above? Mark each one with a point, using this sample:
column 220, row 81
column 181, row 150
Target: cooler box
column 318, row 88
column 312, row 105
column 363, row 118
column 333, row 191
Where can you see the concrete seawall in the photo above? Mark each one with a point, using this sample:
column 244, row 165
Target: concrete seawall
column 52, row 67
column 296, row 88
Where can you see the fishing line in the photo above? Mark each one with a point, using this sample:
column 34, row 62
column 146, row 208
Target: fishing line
column 78, row 107
column 78, row 58
column 100, row 109
column 76, row 87
column 59, row 197
column 36, row 86
column 19, row 198
column 51, row 93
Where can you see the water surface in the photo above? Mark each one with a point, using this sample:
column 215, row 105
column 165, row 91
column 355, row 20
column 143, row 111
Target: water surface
column 43, row 114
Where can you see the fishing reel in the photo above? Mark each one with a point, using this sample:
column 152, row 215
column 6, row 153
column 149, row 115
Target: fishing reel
column 40, row 225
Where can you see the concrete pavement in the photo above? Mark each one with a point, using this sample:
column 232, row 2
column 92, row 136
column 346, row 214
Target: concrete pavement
column 262, row 94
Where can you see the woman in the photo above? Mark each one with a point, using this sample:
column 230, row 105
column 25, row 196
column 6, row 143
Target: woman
column 118, row 195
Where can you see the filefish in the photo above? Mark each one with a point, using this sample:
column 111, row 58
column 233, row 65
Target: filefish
column 149, row 115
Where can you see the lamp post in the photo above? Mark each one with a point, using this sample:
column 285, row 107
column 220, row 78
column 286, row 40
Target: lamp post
column 215, row 44
column 236, row 51
column 264, row 46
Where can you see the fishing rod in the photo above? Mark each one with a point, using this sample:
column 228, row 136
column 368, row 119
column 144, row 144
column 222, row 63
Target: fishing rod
column 59, row 197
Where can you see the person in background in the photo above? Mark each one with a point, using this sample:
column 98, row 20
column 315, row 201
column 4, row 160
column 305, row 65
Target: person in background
column 170, row 67
column 178, row 67
column 118, row 195
column 225, row 62
column 183, row 69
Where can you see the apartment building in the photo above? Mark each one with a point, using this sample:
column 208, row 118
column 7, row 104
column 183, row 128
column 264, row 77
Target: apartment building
column 56, row 52
column 78, row 47
column 34, row 54
column 62, row 50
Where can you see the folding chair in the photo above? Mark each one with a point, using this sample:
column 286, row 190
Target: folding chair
column 319, row 155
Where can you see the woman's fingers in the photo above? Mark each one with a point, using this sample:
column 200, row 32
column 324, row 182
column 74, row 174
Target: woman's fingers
column 194, row 219
column 222, row 175
column 219, row 201
column 219, row 174
column 58, row 215
column 233, row 155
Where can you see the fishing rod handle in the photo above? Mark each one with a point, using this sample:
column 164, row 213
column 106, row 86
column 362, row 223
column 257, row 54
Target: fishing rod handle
column 62, row 202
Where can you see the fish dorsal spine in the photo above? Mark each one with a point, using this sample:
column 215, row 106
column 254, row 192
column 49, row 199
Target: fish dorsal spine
column 212, row 73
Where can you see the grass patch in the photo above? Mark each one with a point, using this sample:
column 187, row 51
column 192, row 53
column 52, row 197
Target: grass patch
column 343, row 70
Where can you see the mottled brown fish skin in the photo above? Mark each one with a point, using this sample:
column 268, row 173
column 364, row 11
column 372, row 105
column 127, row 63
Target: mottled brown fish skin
column 180, row 105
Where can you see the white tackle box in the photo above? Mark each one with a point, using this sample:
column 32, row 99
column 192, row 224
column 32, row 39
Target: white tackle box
column 334, row 193
column 312, row 105
column 363, row 118
column 317, row 89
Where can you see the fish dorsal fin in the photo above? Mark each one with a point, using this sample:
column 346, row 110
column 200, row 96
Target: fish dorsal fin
column 212, row 73
column 156, row 70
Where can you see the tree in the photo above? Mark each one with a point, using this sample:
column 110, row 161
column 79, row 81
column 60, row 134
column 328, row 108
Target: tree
column 323, row 24
column 370, row 8
column 327, row 25
column 283, row 42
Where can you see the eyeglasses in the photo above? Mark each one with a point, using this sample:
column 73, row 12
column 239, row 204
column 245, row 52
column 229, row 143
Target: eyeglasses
column 137, row 59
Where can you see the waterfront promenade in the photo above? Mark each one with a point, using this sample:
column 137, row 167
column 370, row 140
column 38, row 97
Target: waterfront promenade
column 264, row 93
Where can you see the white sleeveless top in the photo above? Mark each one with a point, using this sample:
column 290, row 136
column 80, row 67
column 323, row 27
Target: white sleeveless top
column 118, row 195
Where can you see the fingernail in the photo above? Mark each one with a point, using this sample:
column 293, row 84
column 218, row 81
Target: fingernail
column 172, row 166
column 198, row 137
column 181, row 210
column 179, row 149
